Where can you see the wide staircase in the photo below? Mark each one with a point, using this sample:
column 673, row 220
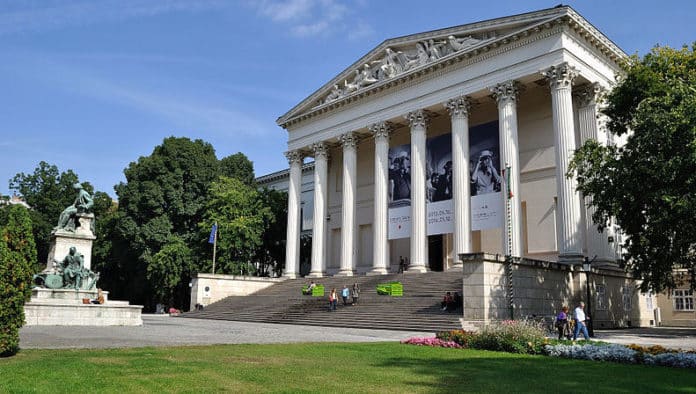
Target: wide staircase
column 417, row 310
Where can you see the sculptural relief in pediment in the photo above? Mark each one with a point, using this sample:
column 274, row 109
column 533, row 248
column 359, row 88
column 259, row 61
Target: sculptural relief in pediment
column 395, row 61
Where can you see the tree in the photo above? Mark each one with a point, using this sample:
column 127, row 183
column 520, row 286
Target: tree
column 17, row 254
column 238, row 166
column 241, row 216
column 270, row 255
column 163, row 198
column 648, row 184
column 167, row 267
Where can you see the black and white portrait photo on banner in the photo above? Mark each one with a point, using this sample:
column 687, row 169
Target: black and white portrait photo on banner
column 484, row 174
column 400, row 176
column 486, row 177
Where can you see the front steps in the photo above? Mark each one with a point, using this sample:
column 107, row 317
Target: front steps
column 418, row 309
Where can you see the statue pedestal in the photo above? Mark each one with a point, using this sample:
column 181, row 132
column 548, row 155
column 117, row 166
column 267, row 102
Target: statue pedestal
column 56, row 306
column 82, row 239
column 64, row 307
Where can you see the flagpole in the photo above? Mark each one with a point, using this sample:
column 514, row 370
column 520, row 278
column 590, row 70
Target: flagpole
column 214, row 245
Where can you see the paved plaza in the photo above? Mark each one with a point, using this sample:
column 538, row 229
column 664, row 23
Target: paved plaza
column 162, row 330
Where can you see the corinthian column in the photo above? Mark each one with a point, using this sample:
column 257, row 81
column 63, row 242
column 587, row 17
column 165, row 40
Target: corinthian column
column 570, row 227
column 459, row 112
column 506, row 96
column 321, row 157
column 380, row 251
column 588, row 115
column 419, row 240
column 348, row 250
column 292, row 247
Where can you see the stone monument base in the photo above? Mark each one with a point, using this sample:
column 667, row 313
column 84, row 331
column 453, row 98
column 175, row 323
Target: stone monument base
column 64, row 307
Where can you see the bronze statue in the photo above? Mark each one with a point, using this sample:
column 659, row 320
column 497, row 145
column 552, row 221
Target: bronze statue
column 73, row 269
column 68, row 274
column 83, row 203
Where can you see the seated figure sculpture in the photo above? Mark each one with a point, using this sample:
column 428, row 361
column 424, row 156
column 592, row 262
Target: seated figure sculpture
column 83, row 203
column 73, row 269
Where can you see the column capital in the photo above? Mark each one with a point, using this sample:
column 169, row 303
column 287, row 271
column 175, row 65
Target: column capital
column 589, row 94
column 381, row 129
column 459, row 106
column 560, row 76
column 506, row 91
column 349, row 140
column 418, row 118
column 321, row 150
column 294, row 156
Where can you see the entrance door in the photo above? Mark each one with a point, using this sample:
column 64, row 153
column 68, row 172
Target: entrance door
column 435, row 256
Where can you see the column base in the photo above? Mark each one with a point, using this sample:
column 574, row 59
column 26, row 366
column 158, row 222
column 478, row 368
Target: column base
column 345, row 273
column 419, row 269
column 377, row 271
column 315, row 275
column 456, row 267
column 290, row 275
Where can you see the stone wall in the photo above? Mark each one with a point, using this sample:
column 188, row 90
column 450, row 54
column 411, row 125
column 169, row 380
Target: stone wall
column 541, row 288
column 209, row 288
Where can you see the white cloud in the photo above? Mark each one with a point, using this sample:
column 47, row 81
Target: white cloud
column 306, row 18
column 280, row 11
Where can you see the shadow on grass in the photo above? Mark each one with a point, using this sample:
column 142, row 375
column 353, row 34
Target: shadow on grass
column 476, row 371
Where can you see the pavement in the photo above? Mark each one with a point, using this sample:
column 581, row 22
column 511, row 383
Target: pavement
column 163, row 330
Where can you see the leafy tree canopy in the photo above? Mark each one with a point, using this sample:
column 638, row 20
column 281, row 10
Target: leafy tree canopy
column 238, row 166
column 241, row 216
column 648, row 184
column 166, row 267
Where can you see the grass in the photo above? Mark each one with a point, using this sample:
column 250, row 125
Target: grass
column 297, row 368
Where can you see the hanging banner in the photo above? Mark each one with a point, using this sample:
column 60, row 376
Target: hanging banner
column 438, row 176
column 486, row 178
column 438, row 181
column 399, row 191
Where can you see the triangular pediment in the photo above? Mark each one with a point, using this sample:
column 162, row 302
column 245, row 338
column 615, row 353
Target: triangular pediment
column 410, row 55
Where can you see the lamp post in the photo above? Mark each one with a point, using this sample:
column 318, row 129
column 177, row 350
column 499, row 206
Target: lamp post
column 587, row 269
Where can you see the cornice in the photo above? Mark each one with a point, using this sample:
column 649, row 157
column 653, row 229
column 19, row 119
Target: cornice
column 278, row 175
column 487, row 49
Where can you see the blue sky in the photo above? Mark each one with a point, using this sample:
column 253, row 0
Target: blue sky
column 92, row 85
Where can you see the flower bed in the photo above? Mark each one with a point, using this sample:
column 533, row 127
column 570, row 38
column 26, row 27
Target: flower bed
column 527, row 337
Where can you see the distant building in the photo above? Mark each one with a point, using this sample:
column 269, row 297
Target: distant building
column 13, row 200
column 279, row 180
column 676, row 306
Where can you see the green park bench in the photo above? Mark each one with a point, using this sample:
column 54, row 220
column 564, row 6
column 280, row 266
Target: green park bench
column 317, row 291
column 394, row 289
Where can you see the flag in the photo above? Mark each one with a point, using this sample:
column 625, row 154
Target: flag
column 213, row 232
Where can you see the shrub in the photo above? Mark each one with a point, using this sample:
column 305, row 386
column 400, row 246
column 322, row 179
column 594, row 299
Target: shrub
column 17, row 254
column 514, row 336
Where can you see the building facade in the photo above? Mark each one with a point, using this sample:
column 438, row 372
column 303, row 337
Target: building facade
column 453, row 141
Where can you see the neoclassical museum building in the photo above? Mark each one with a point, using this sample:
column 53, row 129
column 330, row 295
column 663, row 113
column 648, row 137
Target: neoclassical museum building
column 450, row 147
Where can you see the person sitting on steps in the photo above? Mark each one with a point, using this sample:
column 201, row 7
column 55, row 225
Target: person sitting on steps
column 310, row 287
column 447, row 301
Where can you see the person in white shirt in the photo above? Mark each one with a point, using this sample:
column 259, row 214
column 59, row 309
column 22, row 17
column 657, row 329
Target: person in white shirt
column 580, row 321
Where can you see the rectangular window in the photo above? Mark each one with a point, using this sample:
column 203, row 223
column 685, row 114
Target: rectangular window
column 683, row 300
column 601, row 295
column 627, row 297
column 649, row 301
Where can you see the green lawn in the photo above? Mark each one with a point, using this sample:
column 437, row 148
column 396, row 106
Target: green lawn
column 326, row 368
